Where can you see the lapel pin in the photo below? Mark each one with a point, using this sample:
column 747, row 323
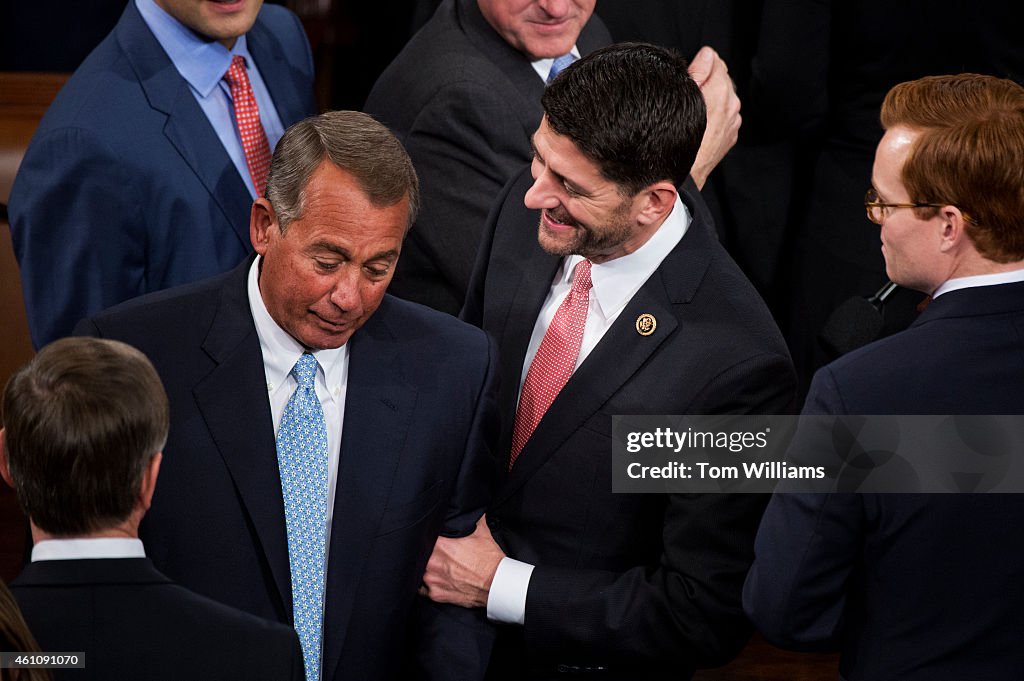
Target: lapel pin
column 646, row 324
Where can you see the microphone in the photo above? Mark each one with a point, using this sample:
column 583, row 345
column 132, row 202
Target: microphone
column 855, row 323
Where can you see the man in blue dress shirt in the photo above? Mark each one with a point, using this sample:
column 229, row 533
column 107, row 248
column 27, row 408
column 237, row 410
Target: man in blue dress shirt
column 137, row 178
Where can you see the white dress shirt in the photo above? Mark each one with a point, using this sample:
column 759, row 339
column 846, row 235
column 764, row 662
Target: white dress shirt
column 77, row 549
column 1011, row 277
column 614, row 283
column 280, row 353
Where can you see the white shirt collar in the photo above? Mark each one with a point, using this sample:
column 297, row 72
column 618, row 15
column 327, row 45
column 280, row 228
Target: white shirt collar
column 616, row 281
column 1010, row 277
column 543, row 66
column 77, row 549
column 280, row 350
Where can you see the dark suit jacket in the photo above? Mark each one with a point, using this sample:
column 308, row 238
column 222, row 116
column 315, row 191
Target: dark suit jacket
column 465, row 104
column 125, row 188
column 414, row 461
column 646, row 585
column 909, row 586
column 132, row 622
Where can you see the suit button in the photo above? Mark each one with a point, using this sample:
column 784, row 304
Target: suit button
column 493, row 523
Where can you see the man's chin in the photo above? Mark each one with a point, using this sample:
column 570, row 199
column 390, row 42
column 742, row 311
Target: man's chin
column 560, row 244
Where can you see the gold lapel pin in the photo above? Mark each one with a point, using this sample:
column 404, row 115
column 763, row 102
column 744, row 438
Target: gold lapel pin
column 646, row 324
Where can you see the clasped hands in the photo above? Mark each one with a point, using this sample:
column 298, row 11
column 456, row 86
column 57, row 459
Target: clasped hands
column 460, row 571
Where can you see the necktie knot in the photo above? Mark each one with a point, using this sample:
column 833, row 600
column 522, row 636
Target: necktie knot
column 558, row 64
column 236, row 75
column 304, row 370
column 581, row 283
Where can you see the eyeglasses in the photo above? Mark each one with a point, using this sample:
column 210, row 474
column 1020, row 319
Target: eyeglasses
column 876, row 209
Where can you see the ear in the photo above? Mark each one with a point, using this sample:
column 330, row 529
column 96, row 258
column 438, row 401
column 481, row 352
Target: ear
column 149, row 476
column 262, row 219
column 5, row 470
column 656, row 202
column 954, row 229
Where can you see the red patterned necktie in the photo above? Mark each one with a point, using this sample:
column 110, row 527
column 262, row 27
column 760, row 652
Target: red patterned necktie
column 555, row 359
column 247, row 116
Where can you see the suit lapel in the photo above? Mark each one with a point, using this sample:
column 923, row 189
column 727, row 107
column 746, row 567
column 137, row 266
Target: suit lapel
column 242, row 427
column 284, row 86
column 378, row 410
column 187, row 128
column 512, row 64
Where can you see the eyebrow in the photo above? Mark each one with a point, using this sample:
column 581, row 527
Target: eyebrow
column 571, row 185
column 322, row 245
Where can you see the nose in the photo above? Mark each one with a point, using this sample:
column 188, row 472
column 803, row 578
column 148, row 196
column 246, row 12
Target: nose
column 345, row 294
column 543, row 193
column 556, row 9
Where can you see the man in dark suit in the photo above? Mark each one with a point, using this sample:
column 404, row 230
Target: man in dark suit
column 84, row 424
column 137, row 179
column 394, row 434
column 612, row 585
column 917, row 586
column 464, row 98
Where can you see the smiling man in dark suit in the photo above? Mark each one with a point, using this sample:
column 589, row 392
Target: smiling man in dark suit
column 920, row 586
column 84, row 424
column 382, row 410
column 609, row 294
column 138, row 177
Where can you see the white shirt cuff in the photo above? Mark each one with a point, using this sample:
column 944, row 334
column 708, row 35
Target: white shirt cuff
column 506, row 601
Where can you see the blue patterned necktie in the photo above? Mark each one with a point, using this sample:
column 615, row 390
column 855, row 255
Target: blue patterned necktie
column 302, row 459
column 557, row 65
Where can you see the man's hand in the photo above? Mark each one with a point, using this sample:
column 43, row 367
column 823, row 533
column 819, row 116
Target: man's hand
column 712, row 76
column 460, row 571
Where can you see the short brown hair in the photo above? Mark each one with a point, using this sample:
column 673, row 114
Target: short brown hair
column 354, row 142
column 968, row 154
column 83, row 420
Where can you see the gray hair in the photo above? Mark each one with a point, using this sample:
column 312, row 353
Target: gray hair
column 354, row 142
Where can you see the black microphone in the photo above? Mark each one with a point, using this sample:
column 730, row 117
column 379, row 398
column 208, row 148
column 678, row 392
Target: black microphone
column 855, row 323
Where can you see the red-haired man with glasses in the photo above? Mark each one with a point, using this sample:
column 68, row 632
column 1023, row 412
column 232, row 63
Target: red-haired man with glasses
column 921, row 586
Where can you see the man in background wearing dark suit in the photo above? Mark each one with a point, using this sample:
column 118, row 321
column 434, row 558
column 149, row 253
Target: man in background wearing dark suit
column 918, row 586
column 84, row 424
column 382, row 411
column 609, row 294
column 464, row 98
column 142, row 173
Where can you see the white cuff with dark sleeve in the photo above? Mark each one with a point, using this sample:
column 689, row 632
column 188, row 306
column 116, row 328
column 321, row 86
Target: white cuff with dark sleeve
column 506, row 601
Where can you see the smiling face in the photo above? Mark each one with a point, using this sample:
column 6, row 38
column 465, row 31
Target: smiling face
column 912, row 247
column 582, row 213
column 538, row 28
column 220, row 20
column 327, row 273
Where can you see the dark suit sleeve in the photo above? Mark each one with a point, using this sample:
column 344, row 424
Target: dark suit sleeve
column 450, row 642
column 805, row 554
column 464, row 143
column 684, row 604
column 475, row 484
column 77, row 229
